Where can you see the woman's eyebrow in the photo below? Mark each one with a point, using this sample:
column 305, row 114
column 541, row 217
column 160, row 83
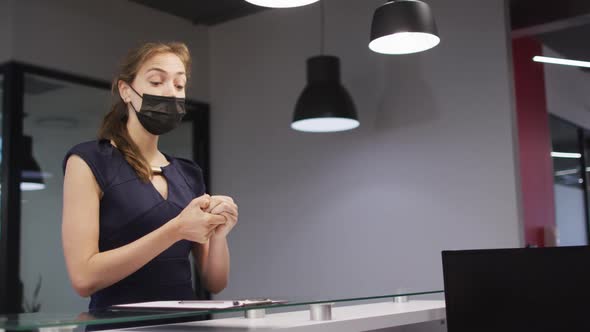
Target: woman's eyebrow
column 163, row 71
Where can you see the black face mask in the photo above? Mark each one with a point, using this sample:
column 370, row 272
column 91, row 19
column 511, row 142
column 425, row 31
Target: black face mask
column 159, row 114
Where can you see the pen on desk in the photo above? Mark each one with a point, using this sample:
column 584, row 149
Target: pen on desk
column 207, row 302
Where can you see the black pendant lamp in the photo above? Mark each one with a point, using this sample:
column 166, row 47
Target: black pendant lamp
column 281, row 3
column 324, row 104
column 31, row 176
column 403, row 27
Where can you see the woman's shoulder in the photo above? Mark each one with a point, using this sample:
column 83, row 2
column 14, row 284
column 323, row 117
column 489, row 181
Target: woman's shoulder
column 98, row 155
column 93, row 147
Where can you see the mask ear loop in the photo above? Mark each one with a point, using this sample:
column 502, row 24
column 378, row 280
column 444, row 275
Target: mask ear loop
column 131, row 102
column 140, row 96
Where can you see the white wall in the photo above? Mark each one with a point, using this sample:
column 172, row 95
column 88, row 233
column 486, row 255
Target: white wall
column 364, row 212
column 91, row 37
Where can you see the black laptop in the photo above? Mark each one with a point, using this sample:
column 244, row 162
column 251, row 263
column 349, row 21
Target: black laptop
column 527, row 289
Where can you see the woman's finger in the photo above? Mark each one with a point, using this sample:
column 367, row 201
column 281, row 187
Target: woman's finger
column 225, row 207
column 213, row 204
column 224, row 198
column 230, row 218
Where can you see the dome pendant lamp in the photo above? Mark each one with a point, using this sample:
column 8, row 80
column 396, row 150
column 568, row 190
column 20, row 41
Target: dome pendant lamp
column 281, row 3
column 324, row 104
column 403, row 27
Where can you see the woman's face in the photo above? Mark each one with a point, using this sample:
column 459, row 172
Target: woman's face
column 162, row 75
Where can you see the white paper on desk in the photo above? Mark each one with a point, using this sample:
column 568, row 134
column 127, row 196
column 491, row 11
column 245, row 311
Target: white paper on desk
column 181, row 305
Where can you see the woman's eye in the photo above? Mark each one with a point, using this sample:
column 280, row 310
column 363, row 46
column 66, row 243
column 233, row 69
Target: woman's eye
column 180, row 87
column 156, row 83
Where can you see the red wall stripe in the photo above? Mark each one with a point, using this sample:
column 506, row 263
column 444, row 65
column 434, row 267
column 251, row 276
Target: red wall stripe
column 534, row 141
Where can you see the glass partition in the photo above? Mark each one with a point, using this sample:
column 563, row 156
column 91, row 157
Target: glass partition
column 57, row 111
column 569, row 176
column 57, row 115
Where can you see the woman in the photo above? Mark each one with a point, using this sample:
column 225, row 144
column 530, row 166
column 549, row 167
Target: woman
column 132, row 214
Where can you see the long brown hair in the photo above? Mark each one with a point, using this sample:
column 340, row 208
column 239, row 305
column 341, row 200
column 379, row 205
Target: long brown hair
column 114, row 124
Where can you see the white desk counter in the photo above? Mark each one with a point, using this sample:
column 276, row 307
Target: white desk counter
column 360, row 317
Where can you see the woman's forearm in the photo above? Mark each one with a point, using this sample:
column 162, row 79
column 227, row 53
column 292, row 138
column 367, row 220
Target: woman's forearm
column 216, row 269
column 106, row 268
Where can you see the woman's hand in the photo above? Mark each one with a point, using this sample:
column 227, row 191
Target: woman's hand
column 195, row 224
column 226, row 207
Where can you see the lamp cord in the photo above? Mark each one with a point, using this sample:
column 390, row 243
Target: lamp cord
column 322, row 27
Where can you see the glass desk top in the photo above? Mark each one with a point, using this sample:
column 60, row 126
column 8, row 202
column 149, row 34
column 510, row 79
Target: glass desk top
column 31, row 321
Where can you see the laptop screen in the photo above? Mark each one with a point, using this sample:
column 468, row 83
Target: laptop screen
column 532, row 289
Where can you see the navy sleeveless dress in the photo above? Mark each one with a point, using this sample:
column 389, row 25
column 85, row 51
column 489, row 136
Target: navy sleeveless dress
column 130, row 209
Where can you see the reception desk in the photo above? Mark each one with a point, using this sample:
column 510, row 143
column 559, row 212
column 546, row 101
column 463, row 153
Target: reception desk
column 360, row 317
column 346, row 314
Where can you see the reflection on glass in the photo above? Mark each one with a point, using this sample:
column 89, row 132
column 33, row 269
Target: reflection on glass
column 57, row 115
column 32, row 177
column 570, row 208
